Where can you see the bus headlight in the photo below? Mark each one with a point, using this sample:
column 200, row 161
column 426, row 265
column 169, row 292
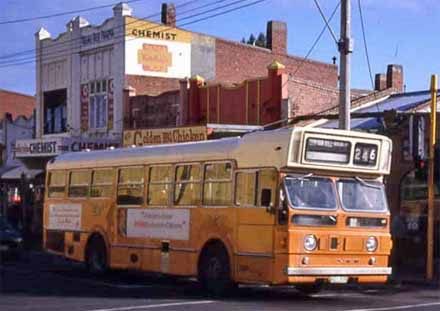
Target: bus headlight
column 310, row 242
column 371, row 244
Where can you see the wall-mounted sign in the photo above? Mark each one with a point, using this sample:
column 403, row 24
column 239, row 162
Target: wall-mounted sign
column 156, row 50
column 97, row 37
column 164, row 136
column 52, row 147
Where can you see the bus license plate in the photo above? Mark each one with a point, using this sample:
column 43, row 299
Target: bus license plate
column 338, row 279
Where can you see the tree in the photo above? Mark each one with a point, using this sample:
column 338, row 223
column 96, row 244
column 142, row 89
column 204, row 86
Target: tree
column 243, row 40
column 251, row 39
column 261, row 40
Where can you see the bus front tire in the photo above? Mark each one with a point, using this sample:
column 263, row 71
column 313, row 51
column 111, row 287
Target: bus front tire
column 96, row 256
column 215, row 271
column 308, row 289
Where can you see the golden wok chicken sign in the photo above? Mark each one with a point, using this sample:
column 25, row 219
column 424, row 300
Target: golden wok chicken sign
column 164, row 136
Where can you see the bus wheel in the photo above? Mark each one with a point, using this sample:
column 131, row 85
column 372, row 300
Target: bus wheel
column 215, row 271
column 96, row 256
column 308, row 289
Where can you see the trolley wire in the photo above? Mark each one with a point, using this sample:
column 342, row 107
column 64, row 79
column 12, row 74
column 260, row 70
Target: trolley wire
column 69, row 50
column 365, row 43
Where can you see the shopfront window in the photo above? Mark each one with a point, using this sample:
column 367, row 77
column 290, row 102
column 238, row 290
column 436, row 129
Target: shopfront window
column 98, row 104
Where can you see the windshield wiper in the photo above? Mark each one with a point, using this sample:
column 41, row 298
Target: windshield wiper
column 366, row 184
column 301, row 177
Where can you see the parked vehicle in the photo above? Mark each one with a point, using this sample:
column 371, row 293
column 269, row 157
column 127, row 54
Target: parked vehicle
column 11, row 241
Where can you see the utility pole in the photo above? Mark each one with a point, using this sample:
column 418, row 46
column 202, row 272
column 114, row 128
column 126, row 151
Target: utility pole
column 431, row 199
column 345, row 47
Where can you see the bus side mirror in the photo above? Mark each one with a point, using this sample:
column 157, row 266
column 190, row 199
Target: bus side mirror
column 266, row 199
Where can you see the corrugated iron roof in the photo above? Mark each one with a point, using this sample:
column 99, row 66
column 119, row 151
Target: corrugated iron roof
column 398, row 102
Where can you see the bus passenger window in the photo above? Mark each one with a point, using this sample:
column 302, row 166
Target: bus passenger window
column 267, row 180
column 57, row 184
column 159, row 186
column 187, row 191
column 218, row 183
column 79, row 184
column 102, row 183
column 131, row 186
column 246, row 189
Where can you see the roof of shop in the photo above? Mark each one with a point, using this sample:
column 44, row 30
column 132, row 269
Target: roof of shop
column 398, row 102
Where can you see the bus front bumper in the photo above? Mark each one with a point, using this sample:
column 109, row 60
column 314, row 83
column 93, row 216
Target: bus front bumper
column 342, row 271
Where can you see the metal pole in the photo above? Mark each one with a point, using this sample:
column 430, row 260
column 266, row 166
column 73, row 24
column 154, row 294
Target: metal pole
column 345, row 49
column 432, row 139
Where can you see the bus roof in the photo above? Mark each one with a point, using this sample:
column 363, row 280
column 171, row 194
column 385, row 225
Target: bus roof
column 275, row 148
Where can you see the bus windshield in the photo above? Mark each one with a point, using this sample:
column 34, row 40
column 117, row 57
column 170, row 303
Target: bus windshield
column 362, row 196
column 310, row 193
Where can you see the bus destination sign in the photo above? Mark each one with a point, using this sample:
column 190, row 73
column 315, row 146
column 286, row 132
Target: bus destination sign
column 327, row 150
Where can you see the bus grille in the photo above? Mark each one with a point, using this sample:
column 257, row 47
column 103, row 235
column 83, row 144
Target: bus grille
column 55, row 241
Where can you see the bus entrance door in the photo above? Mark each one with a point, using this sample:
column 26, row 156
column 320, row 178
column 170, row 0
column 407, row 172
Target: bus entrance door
column 256, row 225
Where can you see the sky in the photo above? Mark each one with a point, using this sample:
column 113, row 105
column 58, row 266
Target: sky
column 398, row 32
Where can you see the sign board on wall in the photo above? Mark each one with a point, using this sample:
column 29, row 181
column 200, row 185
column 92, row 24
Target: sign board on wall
column 65, row 217
column 158, row 224
column 156, row 50
column 164, row 136
column 48, row 147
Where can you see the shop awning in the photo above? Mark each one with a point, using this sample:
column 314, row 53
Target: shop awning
column 17, row 172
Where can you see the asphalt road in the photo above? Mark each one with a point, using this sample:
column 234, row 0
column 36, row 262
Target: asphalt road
column 44, row 282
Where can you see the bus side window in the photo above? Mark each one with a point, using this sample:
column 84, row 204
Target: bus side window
column 246, row 189
column 188, row 185
column 102, row 183
column 79, row 182
column 56, row 184
column 217, row 188
column 159, row 185
column 267, row 182
column 131, row 186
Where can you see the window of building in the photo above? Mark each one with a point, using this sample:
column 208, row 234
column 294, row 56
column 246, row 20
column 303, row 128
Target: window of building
column 188, row 185
column 246, row 189
column 217, row 186
column 55, row 111
column 57, row 184
column 79, row 184
column 102, row 183
column 131, row 186
column 159, row 185
column 98, row 104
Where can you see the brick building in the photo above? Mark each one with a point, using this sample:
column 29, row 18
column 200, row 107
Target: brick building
column 16, row 104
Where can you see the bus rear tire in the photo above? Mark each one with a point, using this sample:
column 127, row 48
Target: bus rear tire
column 215, row 271
column 96, row 256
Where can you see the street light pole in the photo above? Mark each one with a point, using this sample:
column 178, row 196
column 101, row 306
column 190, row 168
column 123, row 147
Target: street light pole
column 345, row 49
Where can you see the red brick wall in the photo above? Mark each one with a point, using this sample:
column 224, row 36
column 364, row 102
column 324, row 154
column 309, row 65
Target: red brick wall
column 16, row 104
column 152, row 86
column 236, row 62
column 308, row 98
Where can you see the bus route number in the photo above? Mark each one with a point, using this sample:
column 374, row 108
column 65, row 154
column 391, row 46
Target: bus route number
column 365, row 154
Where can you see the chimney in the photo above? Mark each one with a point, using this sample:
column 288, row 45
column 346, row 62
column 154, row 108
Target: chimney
column 169, row 14
column 395, row 77
column 276, row 35
column 380, row 82
column 122, row 9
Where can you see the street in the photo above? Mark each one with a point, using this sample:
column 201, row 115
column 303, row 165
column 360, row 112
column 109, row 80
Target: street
column 43, row 282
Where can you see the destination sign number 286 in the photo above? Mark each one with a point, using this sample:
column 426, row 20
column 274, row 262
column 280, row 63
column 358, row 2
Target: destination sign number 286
column 365, row 154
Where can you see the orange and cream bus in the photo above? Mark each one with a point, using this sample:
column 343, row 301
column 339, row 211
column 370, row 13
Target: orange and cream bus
column 291, row 206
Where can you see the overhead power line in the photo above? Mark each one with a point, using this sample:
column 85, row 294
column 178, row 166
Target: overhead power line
column 365, row 43
column 30, row 51
column 68, row 50
column 327, row 23
column 28, row 19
